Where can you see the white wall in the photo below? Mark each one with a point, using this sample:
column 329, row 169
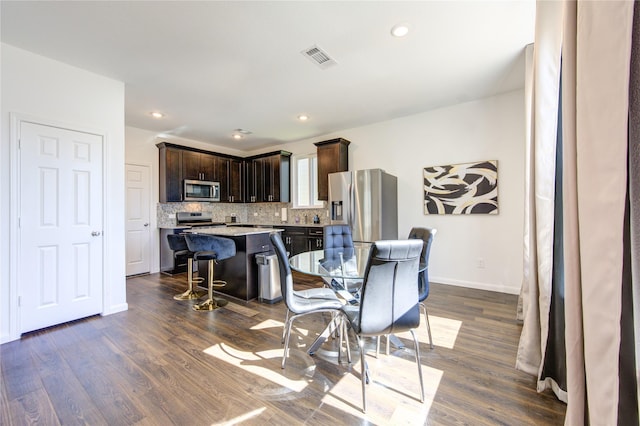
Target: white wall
column 488, row 129
column 140, row 149
column 44, row 89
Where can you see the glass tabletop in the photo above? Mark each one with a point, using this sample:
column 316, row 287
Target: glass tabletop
column 336, row 263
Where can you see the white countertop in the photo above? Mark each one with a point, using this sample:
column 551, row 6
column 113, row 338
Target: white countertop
column 233, row 231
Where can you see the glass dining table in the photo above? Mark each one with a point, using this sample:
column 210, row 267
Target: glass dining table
column 343, row 270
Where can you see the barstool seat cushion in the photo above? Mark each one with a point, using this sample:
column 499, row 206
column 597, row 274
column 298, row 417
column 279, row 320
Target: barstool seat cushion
column 205, row 255
column 224, row 248
column 178, row 244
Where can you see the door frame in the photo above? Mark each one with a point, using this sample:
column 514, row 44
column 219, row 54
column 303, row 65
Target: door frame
column 153, row 247
column 15, row 123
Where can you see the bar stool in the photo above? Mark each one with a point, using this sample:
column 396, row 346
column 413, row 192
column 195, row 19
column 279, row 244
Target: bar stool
column 178, row 244
column 212, row 249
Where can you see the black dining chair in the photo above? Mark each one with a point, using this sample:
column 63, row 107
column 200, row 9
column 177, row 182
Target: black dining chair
column 336, row 241
column 426, row 235
column 388, row 301
column 301, row 302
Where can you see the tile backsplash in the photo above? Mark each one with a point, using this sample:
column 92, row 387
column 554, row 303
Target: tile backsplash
column 255, row 213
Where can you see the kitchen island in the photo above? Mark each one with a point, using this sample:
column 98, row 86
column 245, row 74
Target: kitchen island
column 241, row 271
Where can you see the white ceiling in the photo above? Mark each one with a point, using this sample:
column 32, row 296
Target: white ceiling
column 215, row 66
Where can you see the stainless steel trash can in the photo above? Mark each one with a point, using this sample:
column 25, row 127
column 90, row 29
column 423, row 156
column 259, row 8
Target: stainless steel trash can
column 268, row 278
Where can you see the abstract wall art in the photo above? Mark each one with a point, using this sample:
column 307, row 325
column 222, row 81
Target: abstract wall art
column 468, row 188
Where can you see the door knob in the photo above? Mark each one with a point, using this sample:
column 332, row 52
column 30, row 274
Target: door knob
column 95, row 233
column 146, row 224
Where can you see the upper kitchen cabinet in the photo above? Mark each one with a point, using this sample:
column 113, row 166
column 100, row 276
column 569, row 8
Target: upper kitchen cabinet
column 230, row 174
column 236, row 181
column 261, row 178
column 170, row 172
column 198, row 166
column 268, row 177
column 333, row 157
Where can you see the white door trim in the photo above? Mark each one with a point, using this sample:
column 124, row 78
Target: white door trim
column 15, row 120
column 152, row 209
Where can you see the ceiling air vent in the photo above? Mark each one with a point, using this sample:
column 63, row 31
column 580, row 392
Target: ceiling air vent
column 319, row 57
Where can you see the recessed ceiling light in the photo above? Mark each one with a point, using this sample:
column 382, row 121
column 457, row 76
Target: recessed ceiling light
column 303, row 117
column 237, row 136
column 400, row 30
column 156, row 114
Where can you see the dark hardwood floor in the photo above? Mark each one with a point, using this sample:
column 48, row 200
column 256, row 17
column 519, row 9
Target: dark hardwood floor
column 161, row 363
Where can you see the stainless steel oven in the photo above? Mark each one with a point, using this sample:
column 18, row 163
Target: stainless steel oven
column 201, row 190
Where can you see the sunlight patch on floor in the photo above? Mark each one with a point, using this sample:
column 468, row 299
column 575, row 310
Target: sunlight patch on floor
column 241, row 419
column 387, row 402
column 270, row 323
column 264, row 364
column 443, row 330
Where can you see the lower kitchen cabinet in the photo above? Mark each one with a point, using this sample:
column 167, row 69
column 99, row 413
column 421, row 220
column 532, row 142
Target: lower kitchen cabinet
column 298, row 239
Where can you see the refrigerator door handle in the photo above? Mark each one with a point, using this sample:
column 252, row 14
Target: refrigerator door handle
column 351, row 206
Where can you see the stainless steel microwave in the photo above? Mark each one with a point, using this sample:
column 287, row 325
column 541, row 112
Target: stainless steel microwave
column 201, row 190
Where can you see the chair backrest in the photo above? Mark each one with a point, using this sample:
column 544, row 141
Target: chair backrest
column 223, row 247
column 426, row 235
column 335, row 238
column 286, row 278
column 177, row 242
column 389, row 300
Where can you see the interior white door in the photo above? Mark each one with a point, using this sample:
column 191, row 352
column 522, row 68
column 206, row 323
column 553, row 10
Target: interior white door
column 60, row 226
column 137, row 221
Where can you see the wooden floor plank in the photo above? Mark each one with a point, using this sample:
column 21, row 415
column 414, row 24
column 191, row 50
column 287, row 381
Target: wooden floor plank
column 160, row 362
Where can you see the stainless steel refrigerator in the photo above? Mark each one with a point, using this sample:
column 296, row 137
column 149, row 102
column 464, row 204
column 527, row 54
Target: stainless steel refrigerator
column 367, row 201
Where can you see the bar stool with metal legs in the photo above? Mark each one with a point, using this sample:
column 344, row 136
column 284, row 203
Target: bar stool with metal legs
column 178, row 244
column 213, row 249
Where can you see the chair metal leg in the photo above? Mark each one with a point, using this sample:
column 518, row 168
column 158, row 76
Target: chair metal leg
column 287, row 325
column 426, row 317
column 344, row 336
column 415, row 341
column 191, row 293
column 364, row 374
column 211, row 303
column 284, row 325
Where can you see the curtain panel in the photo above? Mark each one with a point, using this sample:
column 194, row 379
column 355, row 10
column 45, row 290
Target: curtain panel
column 572, row 292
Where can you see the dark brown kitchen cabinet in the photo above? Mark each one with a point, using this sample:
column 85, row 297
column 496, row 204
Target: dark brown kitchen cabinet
column 229, row 172
column 198, row 166
column 236, row 181
column 298, row 239
column 295, row 239
column 261, row 178
column 170, row 174
column 268, row 177
column 333, row 157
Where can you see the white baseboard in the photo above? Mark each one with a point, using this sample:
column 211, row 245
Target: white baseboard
column 500, row 288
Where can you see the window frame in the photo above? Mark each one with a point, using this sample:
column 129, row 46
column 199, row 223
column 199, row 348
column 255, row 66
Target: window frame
column 313, row 181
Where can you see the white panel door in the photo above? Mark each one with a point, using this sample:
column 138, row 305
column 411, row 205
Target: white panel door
column 60, row 259
column 137, row 220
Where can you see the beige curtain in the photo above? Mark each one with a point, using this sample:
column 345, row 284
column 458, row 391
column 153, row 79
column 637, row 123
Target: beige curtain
column 587, row 44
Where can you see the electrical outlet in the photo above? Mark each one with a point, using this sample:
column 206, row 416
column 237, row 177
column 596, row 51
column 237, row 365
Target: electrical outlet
column 480, row 263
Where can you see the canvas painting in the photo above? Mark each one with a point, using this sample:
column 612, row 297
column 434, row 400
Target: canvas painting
column 468, row 188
